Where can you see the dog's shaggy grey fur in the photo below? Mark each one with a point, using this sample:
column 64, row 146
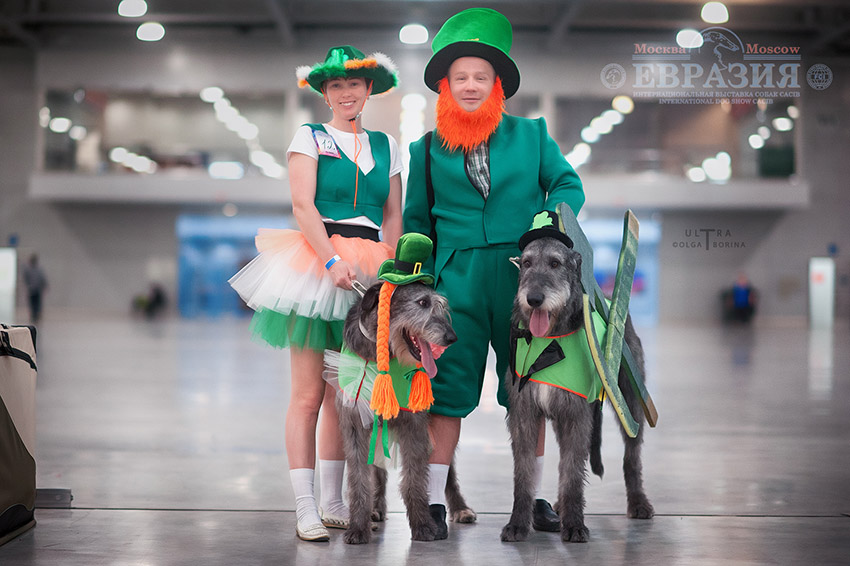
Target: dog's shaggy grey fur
column 549, row 279
column 415, row 310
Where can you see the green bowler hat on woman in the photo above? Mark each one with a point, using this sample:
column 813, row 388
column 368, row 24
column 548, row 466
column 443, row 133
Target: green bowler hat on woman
column 345, row 61
column 477, row 32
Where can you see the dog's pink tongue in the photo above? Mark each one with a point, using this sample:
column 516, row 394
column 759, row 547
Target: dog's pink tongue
column 437, row 350
column 428, row 358
column 539, row 323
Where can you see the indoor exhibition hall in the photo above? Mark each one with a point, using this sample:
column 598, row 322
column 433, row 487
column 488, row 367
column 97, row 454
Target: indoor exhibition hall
column 416, row 282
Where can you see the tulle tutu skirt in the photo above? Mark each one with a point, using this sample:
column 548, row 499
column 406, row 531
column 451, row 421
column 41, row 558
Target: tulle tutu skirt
column 293, row 295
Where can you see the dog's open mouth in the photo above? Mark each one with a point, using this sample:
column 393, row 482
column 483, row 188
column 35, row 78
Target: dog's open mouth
column 424, row 351
column 538, row 324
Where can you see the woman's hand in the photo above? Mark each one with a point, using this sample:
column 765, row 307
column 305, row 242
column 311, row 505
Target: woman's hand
column 342, row 274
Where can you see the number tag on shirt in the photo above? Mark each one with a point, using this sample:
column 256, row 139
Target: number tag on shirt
column 325, row 143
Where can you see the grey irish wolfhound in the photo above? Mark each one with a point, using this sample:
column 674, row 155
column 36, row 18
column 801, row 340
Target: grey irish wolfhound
column 550, row 293
column 418, row 319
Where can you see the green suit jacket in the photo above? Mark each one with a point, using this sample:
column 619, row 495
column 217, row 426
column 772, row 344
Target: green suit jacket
column 528, row 173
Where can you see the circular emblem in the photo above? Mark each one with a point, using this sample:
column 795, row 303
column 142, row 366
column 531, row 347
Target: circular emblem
column 819, row 76
column 613, row 75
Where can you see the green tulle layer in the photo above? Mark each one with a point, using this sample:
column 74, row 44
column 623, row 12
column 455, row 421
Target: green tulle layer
column 290, row 330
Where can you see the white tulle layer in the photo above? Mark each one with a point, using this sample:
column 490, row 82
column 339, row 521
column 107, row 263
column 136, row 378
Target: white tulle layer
column 288, row 277
column 357, row 396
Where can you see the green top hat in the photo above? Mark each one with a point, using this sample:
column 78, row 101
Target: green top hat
column 477, row 32
column 412, row 251
column 347, row 61
column 546, row 224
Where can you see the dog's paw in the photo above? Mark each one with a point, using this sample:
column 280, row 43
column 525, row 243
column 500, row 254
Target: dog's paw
column 641, row 509
column 424, row 533
column 464, row 516
column 379, row 515
column 357, row 536
column 575, row 534
column 514, row 533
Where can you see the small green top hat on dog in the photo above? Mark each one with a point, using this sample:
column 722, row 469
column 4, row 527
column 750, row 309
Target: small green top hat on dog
column 411, row 253
column 546, row 224
column 476, row 32
column 345, row 61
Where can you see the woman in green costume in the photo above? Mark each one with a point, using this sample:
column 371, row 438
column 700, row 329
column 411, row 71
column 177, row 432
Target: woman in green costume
column 346, row 186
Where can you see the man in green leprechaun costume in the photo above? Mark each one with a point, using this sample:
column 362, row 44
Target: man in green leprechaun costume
column 475, row 187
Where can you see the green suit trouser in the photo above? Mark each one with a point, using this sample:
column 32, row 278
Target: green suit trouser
column 480, row 285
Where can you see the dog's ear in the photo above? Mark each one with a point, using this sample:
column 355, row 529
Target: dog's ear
column 370, row 300
column 368, row 316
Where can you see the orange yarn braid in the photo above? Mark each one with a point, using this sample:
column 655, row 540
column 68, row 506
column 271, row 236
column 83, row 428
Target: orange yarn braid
column 421, row 397
column 384, row 402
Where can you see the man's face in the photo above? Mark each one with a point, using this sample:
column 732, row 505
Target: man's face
column 471, row 80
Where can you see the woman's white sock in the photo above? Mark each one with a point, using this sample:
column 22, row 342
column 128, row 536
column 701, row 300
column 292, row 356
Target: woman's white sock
column 305, row 501
column 331, row 473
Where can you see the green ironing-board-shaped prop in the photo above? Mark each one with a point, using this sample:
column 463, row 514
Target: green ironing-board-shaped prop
column 616, row 351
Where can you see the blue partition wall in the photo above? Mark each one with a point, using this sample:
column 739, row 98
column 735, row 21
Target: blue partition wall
column 212, row 249
column 606, row 236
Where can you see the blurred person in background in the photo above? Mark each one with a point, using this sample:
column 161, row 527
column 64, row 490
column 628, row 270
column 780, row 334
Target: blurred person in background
column 35, row 282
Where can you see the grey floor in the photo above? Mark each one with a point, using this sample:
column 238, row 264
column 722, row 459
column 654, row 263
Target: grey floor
column 170, row 436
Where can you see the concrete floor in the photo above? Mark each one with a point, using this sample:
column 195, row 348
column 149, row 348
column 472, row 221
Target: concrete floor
column 170, row 436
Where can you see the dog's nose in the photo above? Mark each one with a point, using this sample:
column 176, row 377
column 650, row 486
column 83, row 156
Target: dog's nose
column 450, row 337
column 535, row 299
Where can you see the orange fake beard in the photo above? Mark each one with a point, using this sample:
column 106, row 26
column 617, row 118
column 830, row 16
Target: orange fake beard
column 465, row 130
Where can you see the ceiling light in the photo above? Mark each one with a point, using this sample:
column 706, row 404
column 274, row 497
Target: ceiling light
column 413, row 34
column 717, row 170
column 780, row 124
column 715, row 13
column 764, row 132
column 589, row 135
column 211, row 94
column 689, row 39
column 150, row 31
column 623, row 104
column 601, row 125
column 132, row 8
column 613, row 117
column 756, row 141
column 794, row 112
column 60, row 125
column 696, row 174
column 118, row 154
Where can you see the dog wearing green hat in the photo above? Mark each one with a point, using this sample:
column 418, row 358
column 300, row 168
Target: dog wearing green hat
column 392, row 337
column 474, row 185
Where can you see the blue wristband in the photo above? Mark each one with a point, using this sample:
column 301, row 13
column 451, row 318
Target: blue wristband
column 332, row 261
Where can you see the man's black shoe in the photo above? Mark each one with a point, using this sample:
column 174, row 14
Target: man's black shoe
column 438, row 513
column 545, row 518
